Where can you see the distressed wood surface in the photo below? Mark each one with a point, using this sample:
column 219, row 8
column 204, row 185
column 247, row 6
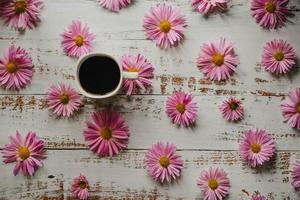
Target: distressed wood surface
column 148, row 123
column 174, row 68
column 212, row 142
column 124, row 177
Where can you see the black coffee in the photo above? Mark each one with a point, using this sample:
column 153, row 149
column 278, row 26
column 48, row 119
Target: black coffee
column 99, row 75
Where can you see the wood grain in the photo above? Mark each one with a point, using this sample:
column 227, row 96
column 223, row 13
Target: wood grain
column 125, row 176
column 212, row 142
column 148, row 123
column 174, row 68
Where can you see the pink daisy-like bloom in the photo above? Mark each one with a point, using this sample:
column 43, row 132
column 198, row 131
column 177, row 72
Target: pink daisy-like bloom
column 217, row 60
column 80, row 187
column 257, row 147
column 296, row 176
column 278, row 57
column 165, row 25
column 16, row 68
column 77, row 40
column 27, row 153
column 138, row 64
column 214, row 183
column 291, row 109
column 181, row 109
column 20, row 14
column 209, row 6
column 114, row 5
column 257, row 196
column 232, row 109
column 63, row 100
column 107, row 134
column 270, row 13
column 163, row 163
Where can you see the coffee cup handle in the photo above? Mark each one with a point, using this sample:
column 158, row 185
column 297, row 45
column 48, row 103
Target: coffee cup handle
column 130, row 75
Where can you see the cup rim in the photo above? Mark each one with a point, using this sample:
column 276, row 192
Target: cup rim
column 97, row 96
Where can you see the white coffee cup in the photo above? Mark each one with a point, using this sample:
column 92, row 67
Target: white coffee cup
column 123, row 75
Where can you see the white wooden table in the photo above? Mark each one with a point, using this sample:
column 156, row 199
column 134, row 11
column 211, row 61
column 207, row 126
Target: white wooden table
column 213, row 142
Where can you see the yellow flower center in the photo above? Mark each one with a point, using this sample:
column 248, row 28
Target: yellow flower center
column 106, row 133
column 133, row 69
column 11, row 67
column 298, row 108
column 64, row 99
column 255, row 148
column 233, row 105
column 218, row 59
column 165, row 26
column 79, row 40
column 213, row 184
column 20, row 6
column 24, row 153
column 180, row 107
column 270, row 6
column 82, row 184
column 164, row 161
column 279, row 56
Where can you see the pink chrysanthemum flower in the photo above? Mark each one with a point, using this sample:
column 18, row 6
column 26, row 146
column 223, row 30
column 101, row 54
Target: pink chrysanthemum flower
column 209, row 6
column 165, row 25
column 270, row 13
column 108, row 134
column 296, row 176
column 163, row 163
column 16, row 68
column 291, row 109
column 77, row 40
column 232, row 109
column 114, row 5
column 138, row 64
column 181, row 109
column 257, row 196
column 27, row 153
column 21, row 14
column 217, row 60
column 257, row 147
column 278, row 57
column 80, row 187
column 214, row 183
column 63, row 100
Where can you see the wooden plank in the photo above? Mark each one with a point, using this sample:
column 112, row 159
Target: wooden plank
column 127, row 24
column 125, row 176
column 148, row 122
column 174, row 69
